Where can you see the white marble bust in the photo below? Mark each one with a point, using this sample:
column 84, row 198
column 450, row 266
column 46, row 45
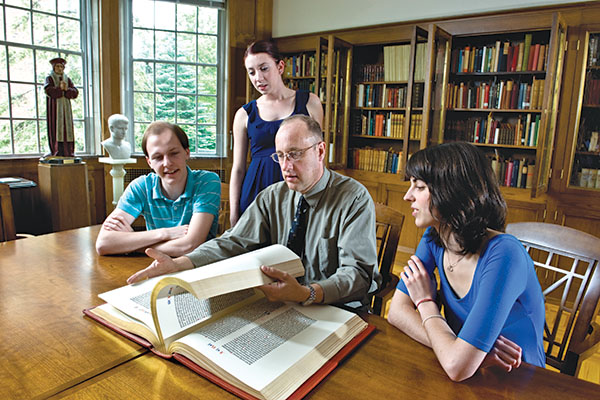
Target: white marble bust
column 117, row 148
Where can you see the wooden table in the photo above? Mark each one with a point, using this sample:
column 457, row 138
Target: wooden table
column 51, row 350
column 46, row 344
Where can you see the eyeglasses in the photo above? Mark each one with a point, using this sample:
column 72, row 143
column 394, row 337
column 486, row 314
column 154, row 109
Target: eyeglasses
column 292, row 155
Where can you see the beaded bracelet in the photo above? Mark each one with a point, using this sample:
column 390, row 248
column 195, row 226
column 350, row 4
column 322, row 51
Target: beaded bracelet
column 426, row 299
column 432, row 316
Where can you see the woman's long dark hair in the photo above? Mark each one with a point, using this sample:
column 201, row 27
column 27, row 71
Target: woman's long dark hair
column 465, row 196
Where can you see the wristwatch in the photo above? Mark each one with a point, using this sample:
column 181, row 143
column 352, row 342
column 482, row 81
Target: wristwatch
column 311, row 297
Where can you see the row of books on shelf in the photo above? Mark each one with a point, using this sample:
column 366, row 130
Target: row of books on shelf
column 588, row 178
column 591, row 95
column 594, row 51
column 507, row 94
column 380, row 95
column 514, row 173
column 369, row 73
column 376, row 160
column 396, row 61
column 522, row 132
column 501, row 57
column 303, row 84
column 300, row 65
column 386, row 125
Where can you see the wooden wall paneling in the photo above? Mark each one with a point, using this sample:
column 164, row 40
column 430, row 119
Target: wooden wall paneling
column 580, row 211
column 523, row 211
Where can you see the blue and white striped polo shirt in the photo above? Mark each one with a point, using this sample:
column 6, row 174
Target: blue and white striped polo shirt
column 144, row 196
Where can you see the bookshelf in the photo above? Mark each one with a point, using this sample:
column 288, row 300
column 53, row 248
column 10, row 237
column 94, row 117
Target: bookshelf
column 387, row 103
column 585, row 165
column 322, row 65
column 502, row 95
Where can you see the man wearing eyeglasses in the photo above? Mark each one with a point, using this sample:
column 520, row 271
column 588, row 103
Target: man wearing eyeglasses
column 338, row 247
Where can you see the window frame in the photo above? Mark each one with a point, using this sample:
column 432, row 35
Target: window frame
column 127, row 65
column 88, row 87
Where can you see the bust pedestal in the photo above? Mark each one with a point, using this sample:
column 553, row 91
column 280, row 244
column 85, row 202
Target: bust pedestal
column 118, row 173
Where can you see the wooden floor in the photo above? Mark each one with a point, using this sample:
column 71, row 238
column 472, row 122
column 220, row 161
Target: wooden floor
column 590, row 367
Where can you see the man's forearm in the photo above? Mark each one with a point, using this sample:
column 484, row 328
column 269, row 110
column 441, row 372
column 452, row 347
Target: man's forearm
column 116, row 242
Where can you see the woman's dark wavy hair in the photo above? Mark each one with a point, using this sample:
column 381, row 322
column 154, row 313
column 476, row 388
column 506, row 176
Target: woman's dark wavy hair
column 464, row 192
column 264, row 46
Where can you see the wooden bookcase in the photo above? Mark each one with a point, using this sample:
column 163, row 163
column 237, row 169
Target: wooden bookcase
column 502, row 96
column 322, row 65
column 564, row 118
column 585, row 165
column 387, row 104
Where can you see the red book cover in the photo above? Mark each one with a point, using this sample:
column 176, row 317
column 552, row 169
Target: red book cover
column 514, row 97
column 486, row 96
column 379, row 125
column 534, row 60
column 509, row 57
column 302, row 391
column 513, row 66
column 509, row 173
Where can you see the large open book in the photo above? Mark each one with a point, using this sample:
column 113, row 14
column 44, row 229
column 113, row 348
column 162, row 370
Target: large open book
column 213, row 320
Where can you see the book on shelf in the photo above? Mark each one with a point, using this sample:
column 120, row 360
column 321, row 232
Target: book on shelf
column 396, row 62
column 516, row 56
column 593, row 51
column 513, row 173
column 376, row 160
column 498, row 95
column 214, row 321
column 366, row 124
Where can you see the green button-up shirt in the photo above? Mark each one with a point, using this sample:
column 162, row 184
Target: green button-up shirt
column 340, row 252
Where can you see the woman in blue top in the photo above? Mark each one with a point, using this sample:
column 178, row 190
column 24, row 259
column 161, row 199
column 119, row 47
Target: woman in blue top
column 258, row 122
column 492, row 299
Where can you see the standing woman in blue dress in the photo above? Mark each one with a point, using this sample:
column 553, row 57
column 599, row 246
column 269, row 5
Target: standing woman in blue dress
column 493, row 302
column 257, row 122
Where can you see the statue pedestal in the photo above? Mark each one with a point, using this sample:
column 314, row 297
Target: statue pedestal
column 64, row 195
column 118, row 173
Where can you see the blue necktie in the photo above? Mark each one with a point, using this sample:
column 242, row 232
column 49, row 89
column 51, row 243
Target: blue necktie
column 298, row 232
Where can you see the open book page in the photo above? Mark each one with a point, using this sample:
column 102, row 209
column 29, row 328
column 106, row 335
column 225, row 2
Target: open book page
column 239, row 272
column 269, row 349
column 212, row 281
column 133, row 300
column 125, row 322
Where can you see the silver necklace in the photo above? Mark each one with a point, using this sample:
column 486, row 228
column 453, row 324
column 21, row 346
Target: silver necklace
column 452, row 265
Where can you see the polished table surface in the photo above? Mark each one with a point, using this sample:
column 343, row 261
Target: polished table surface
column 46, row 344
column 51, row 350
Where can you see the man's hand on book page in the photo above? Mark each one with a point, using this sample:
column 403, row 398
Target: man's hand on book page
column 162, row 264
column 286, row 287
column 505, row 354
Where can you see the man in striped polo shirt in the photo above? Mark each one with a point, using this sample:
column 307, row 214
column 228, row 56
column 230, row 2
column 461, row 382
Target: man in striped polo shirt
column 180, row 206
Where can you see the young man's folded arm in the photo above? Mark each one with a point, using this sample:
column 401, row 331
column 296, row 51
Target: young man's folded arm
column 117, row 236
column 197, row 233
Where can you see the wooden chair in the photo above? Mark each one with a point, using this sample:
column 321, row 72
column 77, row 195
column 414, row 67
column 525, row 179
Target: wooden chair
column 566, row 262
column 7, row 217
column 388, row 228
column 224, row 209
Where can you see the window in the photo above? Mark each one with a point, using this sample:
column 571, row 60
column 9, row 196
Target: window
column 32, row 33
column 174, row 69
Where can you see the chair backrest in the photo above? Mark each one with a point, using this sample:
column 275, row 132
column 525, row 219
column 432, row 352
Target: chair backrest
column 388, row 227
column 224, row 209
column 7, row 217
column 566, row 262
